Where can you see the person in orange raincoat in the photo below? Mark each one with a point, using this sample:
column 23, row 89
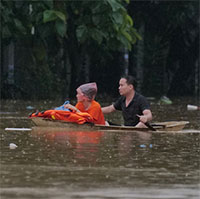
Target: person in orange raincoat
column 85, row 102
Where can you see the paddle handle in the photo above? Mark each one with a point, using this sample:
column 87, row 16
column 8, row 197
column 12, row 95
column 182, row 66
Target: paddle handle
column 150, row 126
column 192, row 107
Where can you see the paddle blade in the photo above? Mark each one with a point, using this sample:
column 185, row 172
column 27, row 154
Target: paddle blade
column 192, row 107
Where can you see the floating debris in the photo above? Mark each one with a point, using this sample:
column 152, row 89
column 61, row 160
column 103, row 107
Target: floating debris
column 144, row 145
column 18, row 129
column 7, row 113
column 30, row 107
column 12, row 146
column 192, row 107
column 164, row 100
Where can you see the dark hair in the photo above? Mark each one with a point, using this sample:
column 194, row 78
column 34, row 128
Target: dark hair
column 130, row 80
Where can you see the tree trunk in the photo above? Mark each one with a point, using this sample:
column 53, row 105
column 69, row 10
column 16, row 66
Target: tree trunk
column 197, row 79
column 140, row 59
column 68, row 74
column 84, row 75
column 86, row 68
column 126, row 62
column 9, row 63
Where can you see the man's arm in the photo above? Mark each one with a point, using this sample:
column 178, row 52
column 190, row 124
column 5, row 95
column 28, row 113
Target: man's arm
column 146, row 117
column 108, row 109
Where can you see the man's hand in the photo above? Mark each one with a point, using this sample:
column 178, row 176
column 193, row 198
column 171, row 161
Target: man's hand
column 143, row 118
column 146, row 117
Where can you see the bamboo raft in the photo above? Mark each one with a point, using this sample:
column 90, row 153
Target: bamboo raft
column 55, row 124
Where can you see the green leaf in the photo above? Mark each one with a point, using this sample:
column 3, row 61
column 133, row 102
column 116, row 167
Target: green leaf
column 52, row 15
column 129, row 19
column 49, row 4
column 81, row 33
column 116, row 27
column 127, row 1
column 49, row 15
column 134, row 39
column 118, row 18
column 60, row 15
column 124, row 41
column 114, row 5
column 61, row 28
column 19, row 26
column 96, row 19
column 96, row 8
column 127, row 35
column 97, row 35
column 137, row 35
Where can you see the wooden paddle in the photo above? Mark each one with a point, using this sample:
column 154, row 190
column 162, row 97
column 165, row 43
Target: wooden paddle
column 113, row 124
column 192, row 107
column 148, row 125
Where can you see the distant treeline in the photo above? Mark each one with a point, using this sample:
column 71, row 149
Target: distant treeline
column 48, row 48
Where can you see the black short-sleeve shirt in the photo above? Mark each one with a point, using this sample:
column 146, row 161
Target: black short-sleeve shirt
column 135, row 107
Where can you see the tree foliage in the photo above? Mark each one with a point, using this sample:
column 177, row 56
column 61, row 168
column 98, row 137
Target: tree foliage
column 101, row 21
column 56, row 30
column 60, row 44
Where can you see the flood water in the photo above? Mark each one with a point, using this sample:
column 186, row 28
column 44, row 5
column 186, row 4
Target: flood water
column 99, row 165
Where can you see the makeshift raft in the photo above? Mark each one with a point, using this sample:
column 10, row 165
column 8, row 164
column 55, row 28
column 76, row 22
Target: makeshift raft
column 53, row 124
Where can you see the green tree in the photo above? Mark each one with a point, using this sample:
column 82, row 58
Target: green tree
column 64, row 34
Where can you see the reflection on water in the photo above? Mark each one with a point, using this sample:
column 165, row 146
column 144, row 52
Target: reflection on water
column 83, row 147
column 90, row 165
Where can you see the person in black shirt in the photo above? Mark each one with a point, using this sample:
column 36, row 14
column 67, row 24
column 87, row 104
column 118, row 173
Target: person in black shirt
column 135, row 108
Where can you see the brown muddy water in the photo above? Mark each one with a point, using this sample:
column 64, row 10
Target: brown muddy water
column 99, row 165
